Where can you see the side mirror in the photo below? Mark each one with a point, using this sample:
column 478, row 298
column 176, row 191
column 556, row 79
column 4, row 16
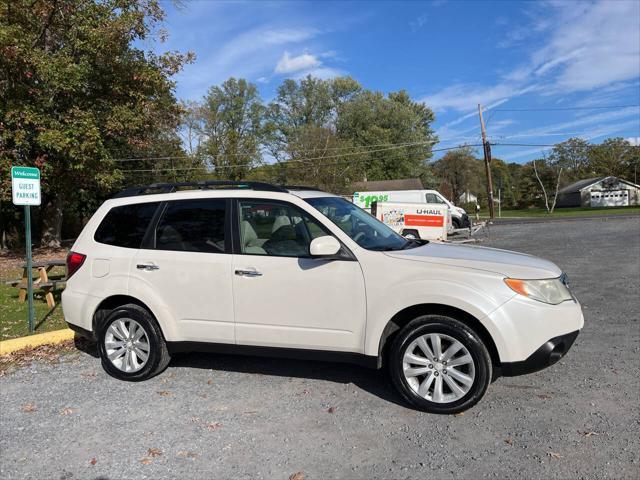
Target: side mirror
column 326, row 246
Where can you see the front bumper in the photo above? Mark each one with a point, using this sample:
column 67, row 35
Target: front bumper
column 545, row 356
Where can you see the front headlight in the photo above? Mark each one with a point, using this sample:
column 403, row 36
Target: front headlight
column 552, row 290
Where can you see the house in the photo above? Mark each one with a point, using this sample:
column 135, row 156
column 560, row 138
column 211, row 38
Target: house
column 468, row 197
column 388, row 185
column 599, row 192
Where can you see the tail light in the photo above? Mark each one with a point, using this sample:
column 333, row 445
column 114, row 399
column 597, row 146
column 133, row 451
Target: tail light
column 74, row 262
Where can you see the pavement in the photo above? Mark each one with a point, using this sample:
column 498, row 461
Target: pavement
column 222, row 416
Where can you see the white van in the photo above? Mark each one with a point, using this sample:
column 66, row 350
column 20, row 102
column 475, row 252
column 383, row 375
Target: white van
column 414, row 220
column 459, row 217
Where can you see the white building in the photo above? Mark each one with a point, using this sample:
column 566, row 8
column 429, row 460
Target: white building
column 599, row 192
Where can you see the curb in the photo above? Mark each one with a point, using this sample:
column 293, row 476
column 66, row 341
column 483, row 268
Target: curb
column 15, row 344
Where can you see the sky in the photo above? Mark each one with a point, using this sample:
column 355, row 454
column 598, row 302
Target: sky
column 543, row 71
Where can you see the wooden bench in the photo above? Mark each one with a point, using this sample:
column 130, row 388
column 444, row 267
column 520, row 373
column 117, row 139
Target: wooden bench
column 43, row 282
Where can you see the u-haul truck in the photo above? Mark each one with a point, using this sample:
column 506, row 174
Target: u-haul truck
column 414, row 220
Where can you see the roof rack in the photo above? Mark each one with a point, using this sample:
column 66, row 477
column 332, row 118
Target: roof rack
column 156, row 188
column 300, row 187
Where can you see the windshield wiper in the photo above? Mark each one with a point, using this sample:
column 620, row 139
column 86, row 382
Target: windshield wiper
column 414, row 244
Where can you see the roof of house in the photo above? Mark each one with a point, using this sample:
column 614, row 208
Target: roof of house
column 385, row 185
column 582, row 184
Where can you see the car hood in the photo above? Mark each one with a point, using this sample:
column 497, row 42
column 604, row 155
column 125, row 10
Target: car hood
column 503, row 262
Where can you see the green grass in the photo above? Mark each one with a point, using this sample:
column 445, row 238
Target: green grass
column 564, row 212
column 13, row 313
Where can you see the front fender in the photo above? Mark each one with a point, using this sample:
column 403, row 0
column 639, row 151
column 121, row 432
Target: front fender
column 463, row 295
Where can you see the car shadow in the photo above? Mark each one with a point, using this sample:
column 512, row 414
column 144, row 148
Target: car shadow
column 375, row 382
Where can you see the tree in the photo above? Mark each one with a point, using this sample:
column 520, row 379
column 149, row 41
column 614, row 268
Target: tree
column 615, row 157
column 551, row 173
column 394, row 131
column 76, row 92
column 457, row 169
column 572, row 156
column 232, row 127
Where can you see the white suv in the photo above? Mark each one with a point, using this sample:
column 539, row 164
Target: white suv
column 255, row 268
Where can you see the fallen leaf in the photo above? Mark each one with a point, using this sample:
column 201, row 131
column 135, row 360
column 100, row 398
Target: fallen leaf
column 184, row 453
column 509, row 441
column 164, row 393
column 297, row 476
column 459, row 414
column 89, row 375
column 554, row 455
column 29, row 407
column 588, row 433
column 194, row 419
column 93, row 461
column 329, row 410
column 154, row 452
column 213, row 425
column 145, row 460
column 66, row 411
column 544, row 396
column 209, row 382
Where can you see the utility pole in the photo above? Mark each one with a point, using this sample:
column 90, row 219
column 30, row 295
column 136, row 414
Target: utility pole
column 487, row 160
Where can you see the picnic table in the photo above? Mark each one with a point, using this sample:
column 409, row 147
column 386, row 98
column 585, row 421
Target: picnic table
column 42, row 281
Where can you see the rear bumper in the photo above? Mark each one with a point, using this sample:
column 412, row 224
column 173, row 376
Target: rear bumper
column 545, row 356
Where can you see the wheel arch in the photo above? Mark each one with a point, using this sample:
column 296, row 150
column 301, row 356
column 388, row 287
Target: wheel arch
column 111, row 303
column 404, row 316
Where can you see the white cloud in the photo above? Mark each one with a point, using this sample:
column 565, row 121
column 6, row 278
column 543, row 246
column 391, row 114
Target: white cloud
column 585, row 46
column 289, row 64
column 633, row 140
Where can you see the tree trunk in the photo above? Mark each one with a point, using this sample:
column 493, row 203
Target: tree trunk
column 52, row 223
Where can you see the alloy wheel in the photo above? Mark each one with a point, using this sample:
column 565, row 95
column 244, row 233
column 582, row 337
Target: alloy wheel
column 438, row 368
column 127, row 345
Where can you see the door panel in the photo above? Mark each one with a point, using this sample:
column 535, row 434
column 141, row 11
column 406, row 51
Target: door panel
column 284, row 298
column 186, row 269
column 299, row 303
column 194, row 287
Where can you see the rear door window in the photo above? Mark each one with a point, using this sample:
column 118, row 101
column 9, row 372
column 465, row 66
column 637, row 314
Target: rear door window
column 193, row 226
column 126, row 225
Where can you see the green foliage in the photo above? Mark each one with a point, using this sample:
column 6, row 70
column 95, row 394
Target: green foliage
column 232, row 128
column 75, row 93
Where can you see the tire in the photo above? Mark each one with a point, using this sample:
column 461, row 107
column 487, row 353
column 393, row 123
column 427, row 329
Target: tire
column 119, row 329
column 419, row 390
column 455, row 223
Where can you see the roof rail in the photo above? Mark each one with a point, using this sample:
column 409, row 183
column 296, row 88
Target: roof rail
column 156, row 188
column 300, row 187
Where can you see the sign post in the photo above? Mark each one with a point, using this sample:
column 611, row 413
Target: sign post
column 25, row 188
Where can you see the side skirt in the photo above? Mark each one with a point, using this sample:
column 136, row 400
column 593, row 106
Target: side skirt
column 368, row 361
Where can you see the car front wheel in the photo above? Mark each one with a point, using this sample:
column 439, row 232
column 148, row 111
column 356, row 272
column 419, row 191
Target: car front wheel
column 131, row 344
column 439, row 365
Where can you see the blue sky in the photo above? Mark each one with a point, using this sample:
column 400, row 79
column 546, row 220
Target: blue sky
column 452, row 55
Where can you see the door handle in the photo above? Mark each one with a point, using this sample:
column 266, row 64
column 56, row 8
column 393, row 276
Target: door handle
column 248, row 273
column 147, row 266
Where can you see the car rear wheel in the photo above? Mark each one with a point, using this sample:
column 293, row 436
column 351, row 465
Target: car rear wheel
column 439, row 365
column 131, row 344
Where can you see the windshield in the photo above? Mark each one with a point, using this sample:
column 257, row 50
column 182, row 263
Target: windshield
column 364, row 229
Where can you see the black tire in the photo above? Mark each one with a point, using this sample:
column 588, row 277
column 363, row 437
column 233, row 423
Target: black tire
column 458, row 331
column 455, row 223
column 158, row 356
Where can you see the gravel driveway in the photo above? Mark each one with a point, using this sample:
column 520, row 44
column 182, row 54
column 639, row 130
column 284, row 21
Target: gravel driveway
column 218, row 416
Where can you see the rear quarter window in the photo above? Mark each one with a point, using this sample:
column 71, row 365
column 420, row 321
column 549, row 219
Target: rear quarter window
column 126, row 225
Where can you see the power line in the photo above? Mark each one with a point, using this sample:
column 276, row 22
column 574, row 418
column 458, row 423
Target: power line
column 551, row 109
column 287, row 163
column 233, row 154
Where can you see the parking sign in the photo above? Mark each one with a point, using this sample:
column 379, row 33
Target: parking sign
column 25, row 185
